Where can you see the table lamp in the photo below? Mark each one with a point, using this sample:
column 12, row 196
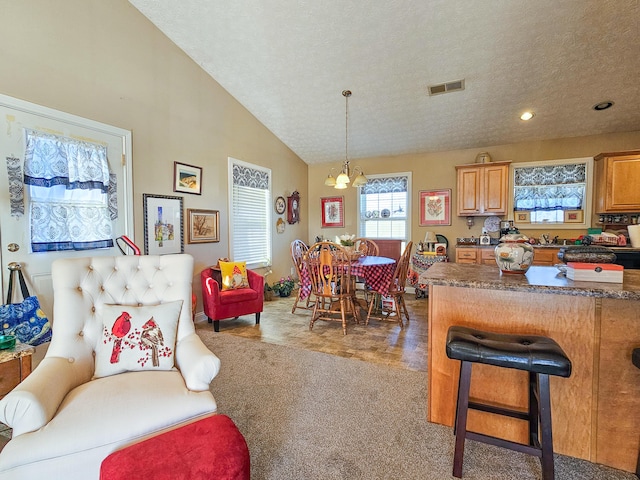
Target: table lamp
column 430, row 238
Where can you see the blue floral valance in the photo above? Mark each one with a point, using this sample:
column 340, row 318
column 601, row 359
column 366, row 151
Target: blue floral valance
column 548, row 188
column 385, row 185
column 250, row 177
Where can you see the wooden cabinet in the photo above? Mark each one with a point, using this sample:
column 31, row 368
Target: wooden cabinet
column 483, row 189
column 466, row 254
column 617, row 176
column 547, row 256
column 12, row 372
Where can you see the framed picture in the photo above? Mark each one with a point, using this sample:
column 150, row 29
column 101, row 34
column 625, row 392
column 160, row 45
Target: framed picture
column 522, row 217
column 435, row 207
column 163, row 232
column 203, row 226
column 187, row 178
column 573, row 216
column 332, row 211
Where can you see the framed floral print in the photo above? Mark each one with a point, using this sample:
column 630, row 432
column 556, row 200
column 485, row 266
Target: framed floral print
column 435, row 207
column 187, row 178
column 203, row 226
column 332, row 211
column 163, row 232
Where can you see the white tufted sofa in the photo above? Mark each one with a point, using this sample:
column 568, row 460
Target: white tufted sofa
column 64, row 423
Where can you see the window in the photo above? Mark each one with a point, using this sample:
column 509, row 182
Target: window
column 250, row 213
column 554, row 192
column 383, row 204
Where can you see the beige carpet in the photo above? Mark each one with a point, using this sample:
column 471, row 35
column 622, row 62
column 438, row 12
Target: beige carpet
column 311, row 415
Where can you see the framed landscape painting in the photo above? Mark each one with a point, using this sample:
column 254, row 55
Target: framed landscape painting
column 204, row 226
column 187, row 178
column 435, row 207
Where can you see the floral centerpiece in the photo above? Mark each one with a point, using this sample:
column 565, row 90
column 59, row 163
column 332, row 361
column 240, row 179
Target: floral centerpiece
column 348, row 242
column 284, row 286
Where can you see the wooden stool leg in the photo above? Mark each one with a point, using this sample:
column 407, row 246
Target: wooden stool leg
column 546, row 442
column 534, row 409
column 461, row 417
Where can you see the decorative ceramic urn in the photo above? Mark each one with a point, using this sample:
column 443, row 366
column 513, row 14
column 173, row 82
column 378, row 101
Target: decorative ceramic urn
column 514, row 254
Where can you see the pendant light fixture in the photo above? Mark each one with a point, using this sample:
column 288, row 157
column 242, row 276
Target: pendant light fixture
column 346, row 174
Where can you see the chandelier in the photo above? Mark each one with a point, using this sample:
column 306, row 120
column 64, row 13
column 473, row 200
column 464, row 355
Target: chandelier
column 346, row 173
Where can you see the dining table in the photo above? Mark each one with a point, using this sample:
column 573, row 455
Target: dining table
column 376, row 272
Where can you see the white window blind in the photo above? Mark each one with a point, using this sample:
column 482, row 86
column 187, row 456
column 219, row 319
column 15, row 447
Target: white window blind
column 250, row 213
column 384, row 207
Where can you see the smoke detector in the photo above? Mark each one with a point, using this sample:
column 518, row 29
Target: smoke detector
column 448, row 87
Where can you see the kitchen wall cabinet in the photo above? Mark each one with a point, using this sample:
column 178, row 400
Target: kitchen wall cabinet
column 547, row 256
column 483, row 189
column 617, row 176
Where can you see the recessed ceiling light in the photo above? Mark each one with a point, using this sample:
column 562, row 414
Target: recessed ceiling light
column 602, row 105
column 527, row 116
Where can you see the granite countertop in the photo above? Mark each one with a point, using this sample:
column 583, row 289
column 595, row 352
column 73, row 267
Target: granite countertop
column 536, row 280
column 20, row 350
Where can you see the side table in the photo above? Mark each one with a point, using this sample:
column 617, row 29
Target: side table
column 15, row 365
column 420, row 263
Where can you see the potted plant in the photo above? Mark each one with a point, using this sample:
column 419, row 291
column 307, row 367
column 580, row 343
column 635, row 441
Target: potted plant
column 268, row 292
column 284, row 286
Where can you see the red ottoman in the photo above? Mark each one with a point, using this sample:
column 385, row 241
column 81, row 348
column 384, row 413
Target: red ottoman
column 211, row 448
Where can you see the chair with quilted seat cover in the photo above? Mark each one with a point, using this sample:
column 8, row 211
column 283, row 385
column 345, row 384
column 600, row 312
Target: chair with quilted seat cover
column 222, row 304
column 100, row 388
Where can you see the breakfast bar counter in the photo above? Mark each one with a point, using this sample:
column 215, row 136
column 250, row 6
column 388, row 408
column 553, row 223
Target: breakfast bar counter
column 596, row 411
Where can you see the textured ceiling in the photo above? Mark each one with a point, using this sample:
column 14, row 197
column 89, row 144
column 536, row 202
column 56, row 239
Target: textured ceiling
column 287, row 62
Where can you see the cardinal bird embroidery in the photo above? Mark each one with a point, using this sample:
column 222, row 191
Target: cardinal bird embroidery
column 120, row 328
column 151, row 337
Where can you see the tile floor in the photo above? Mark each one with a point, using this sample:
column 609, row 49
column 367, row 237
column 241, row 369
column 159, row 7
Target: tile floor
column 379, row 342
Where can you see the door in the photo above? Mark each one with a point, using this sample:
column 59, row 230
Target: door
column 16, row 115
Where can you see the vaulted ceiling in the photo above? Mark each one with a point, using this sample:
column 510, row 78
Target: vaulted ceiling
column 287, row 62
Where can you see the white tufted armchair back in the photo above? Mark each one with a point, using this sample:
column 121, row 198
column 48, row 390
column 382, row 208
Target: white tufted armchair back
column 81, row 285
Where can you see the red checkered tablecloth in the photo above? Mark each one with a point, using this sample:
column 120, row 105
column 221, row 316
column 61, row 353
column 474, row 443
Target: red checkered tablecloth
column 377, row 272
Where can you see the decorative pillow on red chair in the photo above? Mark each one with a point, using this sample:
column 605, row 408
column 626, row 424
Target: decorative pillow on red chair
column 234, row 275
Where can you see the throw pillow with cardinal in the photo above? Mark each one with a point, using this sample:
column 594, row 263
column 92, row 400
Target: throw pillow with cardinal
column 137, row 338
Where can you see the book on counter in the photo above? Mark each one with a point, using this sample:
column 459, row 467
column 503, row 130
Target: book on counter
column 595, row 272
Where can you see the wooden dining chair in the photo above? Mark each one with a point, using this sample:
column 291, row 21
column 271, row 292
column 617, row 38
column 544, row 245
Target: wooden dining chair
column 298, row 249
column 329, row 268
column 366, row 247
column 396, row 291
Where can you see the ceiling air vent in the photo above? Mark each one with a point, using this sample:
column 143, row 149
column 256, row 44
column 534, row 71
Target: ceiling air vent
column 446, row 87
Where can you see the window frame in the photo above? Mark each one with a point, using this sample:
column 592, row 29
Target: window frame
column 409, row 204
column 268, row 214
column 588, row 200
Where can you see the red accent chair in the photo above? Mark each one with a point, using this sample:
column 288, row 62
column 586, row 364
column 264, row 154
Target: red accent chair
column 222, row 304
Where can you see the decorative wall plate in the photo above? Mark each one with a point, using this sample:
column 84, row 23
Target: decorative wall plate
column 280, row 205
column 492, row 224
column 280, row 225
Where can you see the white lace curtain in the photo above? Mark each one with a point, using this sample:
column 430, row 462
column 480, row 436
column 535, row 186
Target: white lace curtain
column 68, row 184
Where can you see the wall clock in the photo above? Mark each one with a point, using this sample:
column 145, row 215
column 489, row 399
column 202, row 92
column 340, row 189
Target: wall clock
column 280, row 205
column 293, row 212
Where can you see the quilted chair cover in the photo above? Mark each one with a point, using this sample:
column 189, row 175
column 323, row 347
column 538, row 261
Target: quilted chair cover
column 64, row 423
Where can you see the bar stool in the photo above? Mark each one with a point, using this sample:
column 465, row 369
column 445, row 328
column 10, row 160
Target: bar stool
column 540, row 356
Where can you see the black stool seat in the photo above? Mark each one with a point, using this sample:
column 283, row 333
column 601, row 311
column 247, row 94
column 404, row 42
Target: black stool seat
column 523, row 352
